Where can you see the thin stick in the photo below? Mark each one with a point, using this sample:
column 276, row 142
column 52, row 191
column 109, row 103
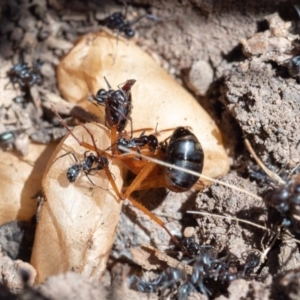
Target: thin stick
column 230, row 218
column 261, row 164
column 162, row 163
column 239, row 220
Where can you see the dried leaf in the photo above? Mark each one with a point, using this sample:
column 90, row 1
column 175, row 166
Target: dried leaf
column 20, row 181
column 157, row 97
column 78, row 220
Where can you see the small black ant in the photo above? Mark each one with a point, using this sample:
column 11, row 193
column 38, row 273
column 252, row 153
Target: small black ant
column 141, row 141
column 252, row 260
column 170, row 277
column 7, row 138
column 206, row 267
column 25, row 76
column 286, row 200
column 118, row 106
column 117, row 21
column 191, row 245
column 293, row 66
column 89, row 164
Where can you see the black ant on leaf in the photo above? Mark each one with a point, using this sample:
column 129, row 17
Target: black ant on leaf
column 89, row 164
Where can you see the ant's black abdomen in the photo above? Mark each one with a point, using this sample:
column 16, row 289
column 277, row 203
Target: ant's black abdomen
column 185, row 151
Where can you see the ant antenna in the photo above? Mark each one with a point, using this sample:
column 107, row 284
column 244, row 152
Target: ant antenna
column 126, row 9
column 149, row 16
column 162, row 163
column 108, row 85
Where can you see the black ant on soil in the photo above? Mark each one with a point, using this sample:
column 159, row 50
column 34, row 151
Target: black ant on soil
column 25, row 76
column 117, row 21
column 206, row 267
column 293, row 66
column 7, row 138
column 191, row 245
column 286, row 200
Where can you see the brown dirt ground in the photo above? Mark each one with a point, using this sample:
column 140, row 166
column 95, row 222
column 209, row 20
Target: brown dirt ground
column 232, row 55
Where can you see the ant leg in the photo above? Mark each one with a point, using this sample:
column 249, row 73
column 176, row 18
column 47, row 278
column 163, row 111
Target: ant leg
column 131, row 127
column 67, row 127
column 90, row 180
column 106, row 169
column 107, row 83
column 113, row 138
column 83, row 144
column 146, row 170
column 126, row 9
column 155, row 182
column 94, row 147
column 156, row 220
column 68, row 153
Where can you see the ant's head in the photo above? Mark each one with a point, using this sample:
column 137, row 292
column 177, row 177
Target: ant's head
column 118, row 17
column 129, row 31
column 101, row 96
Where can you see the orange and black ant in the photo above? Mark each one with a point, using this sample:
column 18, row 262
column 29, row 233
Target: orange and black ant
column 183, row 150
